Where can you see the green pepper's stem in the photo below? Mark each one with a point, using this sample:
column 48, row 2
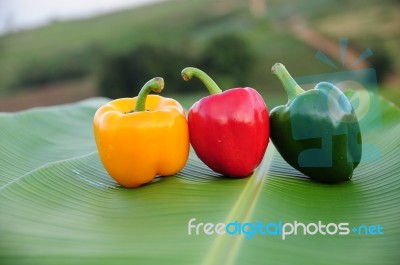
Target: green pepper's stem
column 289, row 84
column 156, row 85
column 189, row 72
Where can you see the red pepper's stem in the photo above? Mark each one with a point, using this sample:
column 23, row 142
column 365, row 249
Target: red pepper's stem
column 189, row 72
column 156, row 85
column 289, row 84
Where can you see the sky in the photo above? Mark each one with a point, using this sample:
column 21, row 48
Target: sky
column 22, row 14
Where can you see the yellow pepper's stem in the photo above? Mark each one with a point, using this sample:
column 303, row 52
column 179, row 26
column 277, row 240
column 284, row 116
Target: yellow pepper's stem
column 156, row 85
column 189, row 72
column 289, row 84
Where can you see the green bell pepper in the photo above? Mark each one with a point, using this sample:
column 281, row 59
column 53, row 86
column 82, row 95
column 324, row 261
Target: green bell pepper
column 317, row 131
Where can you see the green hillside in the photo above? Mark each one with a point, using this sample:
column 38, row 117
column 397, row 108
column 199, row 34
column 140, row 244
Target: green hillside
column 77, row 47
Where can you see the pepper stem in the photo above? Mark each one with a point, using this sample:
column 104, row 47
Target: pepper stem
column 289, row 84
column 156, row 85
column 189, row 72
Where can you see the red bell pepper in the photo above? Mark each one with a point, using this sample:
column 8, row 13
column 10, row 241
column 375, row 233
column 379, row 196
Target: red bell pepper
column 229, row 130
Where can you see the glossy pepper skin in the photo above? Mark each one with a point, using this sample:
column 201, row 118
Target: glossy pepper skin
column 229, row 130
column 317, row 131
column 142, row 137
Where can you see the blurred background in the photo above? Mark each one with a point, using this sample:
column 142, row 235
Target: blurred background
column 55, row 52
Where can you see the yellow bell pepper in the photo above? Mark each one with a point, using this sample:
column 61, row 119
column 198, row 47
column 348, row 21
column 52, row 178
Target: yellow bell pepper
column 142, row 137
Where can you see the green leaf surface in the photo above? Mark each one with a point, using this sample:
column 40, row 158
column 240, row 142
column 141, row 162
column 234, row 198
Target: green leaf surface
column 59, row 206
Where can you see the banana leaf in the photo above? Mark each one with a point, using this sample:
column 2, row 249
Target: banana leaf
column 59, row 206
